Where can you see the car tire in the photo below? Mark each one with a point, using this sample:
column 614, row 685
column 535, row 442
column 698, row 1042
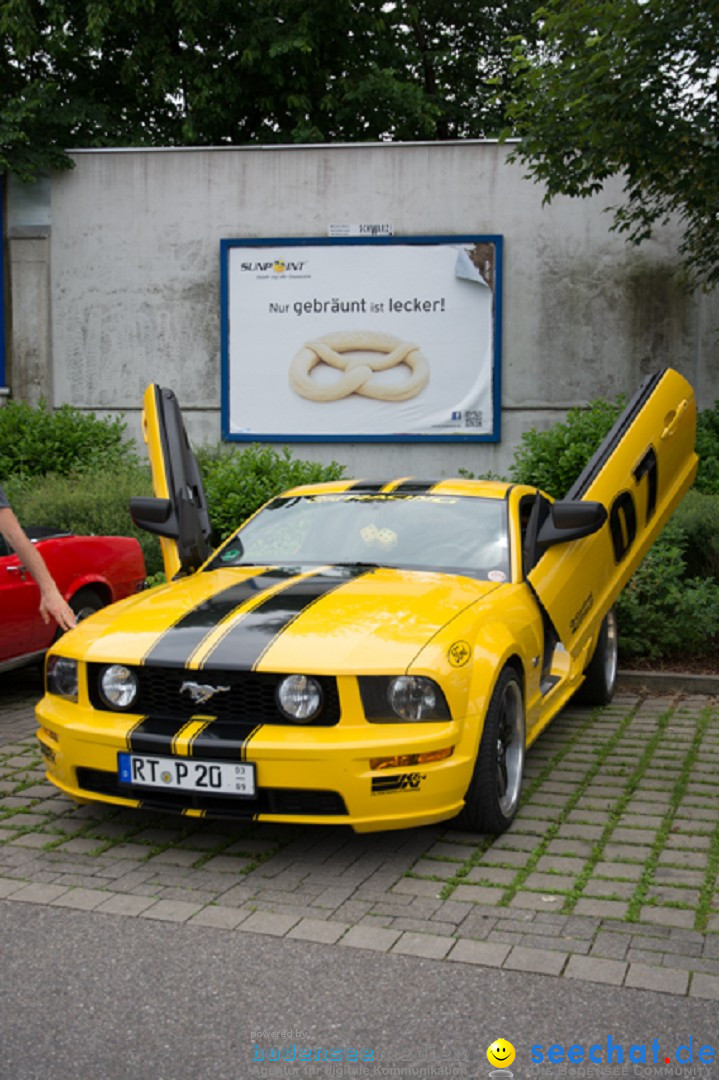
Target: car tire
column 86, row 602
column 600, row 676
column 493, row 794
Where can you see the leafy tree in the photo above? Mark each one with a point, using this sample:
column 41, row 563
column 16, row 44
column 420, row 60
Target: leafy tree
column 213, row 72
column 628, row 88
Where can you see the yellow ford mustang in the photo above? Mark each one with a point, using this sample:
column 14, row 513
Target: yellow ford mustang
column 376, row 655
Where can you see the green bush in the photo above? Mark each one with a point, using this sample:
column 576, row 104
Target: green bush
column 708, row 450
column 663, row 613
column 237, row 484
column 697, row 521
column 97, row 504
column 35, row 441
column 553, row 459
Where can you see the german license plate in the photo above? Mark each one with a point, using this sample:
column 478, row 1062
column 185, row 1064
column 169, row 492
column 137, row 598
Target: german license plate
column 187, row 774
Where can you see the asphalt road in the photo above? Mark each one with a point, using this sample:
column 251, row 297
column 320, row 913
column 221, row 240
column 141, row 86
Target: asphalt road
column 89, row 996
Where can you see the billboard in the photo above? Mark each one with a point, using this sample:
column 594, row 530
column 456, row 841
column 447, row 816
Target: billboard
column 381, row 339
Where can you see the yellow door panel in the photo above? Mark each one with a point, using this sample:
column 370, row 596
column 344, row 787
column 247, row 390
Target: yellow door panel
column 639, row 474
column 178, row 513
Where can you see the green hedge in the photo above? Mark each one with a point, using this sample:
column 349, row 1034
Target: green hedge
column 236, row 484
column 35, row 441
column 99, row 504
column 708, row 450
column 665, row 612
column 553, row 459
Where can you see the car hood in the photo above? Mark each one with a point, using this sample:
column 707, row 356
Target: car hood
column 331, row 619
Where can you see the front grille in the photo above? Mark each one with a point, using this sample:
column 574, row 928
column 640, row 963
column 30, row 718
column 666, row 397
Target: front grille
column 250, row 699
column 297, row 801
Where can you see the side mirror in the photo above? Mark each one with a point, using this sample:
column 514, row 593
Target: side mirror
column 571, row 520
column 153, row 515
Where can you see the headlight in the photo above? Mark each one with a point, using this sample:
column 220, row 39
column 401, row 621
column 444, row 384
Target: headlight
column 386, row 700
column 118, row 686
column 413, row 697
column 62, row 677
column 299, row 697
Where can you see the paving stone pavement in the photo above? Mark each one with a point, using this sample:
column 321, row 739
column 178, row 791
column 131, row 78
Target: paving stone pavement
column 609, row 873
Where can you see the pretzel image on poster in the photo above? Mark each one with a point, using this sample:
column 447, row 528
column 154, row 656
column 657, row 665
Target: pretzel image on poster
column 358, row 371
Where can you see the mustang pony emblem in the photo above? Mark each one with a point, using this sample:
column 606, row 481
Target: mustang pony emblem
column 202, row 692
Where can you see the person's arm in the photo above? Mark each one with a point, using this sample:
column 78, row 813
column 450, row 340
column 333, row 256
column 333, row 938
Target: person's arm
column 52, row 603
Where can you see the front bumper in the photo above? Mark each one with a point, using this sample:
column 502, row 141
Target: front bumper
column 303, row 775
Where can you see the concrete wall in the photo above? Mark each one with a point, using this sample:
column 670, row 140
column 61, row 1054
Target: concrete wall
column 132, row 278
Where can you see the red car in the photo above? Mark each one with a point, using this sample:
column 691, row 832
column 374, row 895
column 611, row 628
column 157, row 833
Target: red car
column 90, row 571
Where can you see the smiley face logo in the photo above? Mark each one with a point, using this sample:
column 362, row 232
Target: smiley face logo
column 500, row 1054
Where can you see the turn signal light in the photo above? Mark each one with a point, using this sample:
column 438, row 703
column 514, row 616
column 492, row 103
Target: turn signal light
column 401, row 761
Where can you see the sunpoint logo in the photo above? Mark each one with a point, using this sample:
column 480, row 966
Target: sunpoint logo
column 274, row 266
column 614, row 1053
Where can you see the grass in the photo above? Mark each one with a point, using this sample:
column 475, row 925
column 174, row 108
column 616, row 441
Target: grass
column 663, row 764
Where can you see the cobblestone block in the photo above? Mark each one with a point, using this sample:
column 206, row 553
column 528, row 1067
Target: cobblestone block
column 376, row 938
column 431, row 946
column 494, row 875
column 576, row 831
column 539, row 961
column 325, row 931
column 692, row 860
column 637, row 853
column 178, row 911
column 666, row 916
column 705, row 986
column 125, row 904
column 276, row 924
column 549, row 882
column 619, row 870
column 82, row 899
column 503, row 857
column 610, row 889
column 665, row 894
column 478, row 894
column 39, row 893
column 457, row 852
column 577, row 848
column 220, row 917
column 610, row 946
column 536, row 901
column 594, row 969
column 559, row 944
column 36, row 840
column 486, row 953
column 611, row 909
column 435, row 868
column 567, row 864
column 417, row 887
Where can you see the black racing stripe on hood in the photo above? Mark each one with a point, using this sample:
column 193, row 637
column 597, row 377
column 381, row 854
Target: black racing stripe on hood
column 179, row 642
column 154, row 734
column 414, row 487
column 366, row 485
column 222, row 741
column 245, row 644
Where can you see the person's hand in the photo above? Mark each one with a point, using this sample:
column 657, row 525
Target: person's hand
column 54, row 606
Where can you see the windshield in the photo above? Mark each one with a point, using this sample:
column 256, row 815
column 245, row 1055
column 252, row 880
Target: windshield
column 424, row 532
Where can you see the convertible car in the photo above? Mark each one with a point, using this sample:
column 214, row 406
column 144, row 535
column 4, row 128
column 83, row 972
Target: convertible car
column 377, row 655
column 90, row 571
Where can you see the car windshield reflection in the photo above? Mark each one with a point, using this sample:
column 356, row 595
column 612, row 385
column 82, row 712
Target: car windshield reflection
column 451, row 533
